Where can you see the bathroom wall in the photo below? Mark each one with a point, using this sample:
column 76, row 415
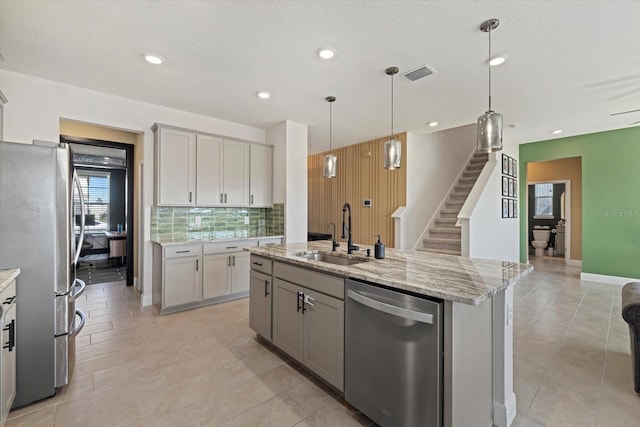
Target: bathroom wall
column 610, row 198
column 564, row 169
column 558, row 189
column 169, row 223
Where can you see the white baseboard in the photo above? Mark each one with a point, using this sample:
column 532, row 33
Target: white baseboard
column 146, row 300
column 610, row 280
column 504, row 414
column 575, row 262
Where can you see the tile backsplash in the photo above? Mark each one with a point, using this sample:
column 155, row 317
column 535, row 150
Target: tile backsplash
column 216, row 223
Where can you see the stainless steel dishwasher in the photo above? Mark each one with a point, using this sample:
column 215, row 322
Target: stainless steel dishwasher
column 393, row 355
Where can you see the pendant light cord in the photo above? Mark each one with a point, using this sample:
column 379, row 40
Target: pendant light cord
column 392, row 135
column 489, row 68
column 330, row 127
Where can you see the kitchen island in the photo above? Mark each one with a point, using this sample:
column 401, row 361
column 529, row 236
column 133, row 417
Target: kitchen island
column 476, row 297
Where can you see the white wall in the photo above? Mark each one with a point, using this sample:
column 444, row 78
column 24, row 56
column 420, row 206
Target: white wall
column 433, row 163
column 490, row 235
column 35, row 107
column 290, row 176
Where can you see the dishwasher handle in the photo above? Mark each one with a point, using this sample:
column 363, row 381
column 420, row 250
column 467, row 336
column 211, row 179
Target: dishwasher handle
column 391, row 309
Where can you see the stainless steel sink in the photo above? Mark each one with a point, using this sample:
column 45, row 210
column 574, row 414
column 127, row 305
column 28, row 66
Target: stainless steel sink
column 331, row 258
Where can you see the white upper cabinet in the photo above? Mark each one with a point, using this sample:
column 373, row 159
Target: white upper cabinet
column 202, row 170
column 235, row 173
column 261, row 186
column 209, row 171
column 175, row 167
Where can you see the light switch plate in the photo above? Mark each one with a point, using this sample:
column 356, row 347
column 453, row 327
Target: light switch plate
column 246, row 220
column 198, row 221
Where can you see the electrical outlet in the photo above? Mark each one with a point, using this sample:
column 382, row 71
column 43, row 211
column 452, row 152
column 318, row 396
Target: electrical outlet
column 198, row 221
column 246, row 220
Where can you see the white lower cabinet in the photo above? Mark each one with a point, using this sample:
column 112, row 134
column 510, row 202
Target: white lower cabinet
column 308, row 320
column 225, row 273
column 182, row 278
column 188, row 276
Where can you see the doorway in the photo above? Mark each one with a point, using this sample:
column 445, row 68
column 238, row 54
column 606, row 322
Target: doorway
column 548, row 206
column 105, row 170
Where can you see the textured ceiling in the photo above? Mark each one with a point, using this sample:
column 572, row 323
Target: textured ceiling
column 571, row 63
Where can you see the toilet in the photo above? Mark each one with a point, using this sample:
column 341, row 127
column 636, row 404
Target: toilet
column 541, row 234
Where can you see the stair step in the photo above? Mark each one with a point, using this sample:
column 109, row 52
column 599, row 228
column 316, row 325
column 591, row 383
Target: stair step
column 452, row 213
column 478, row 160
column 446, row 222
column 472, row 174
column 462, row 188
column 467, row 180
column 475, row 166
column 445, row 232
column 440, row 251
column 458, row 196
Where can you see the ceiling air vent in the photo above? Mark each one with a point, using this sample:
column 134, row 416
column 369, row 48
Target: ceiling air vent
column 418, row 73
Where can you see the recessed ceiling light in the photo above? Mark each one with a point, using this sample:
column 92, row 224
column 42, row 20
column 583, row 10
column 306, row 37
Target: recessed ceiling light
column 497, row 60
column 557, row 131
column 433, row 124
column 263, row 94
column 152, row 58
column 326, row 52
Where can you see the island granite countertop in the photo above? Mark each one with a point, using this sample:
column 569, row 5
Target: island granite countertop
column 449, row 277
column 6, row 276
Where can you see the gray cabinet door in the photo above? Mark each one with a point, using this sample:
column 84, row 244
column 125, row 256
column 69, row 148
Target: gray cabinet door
column 260, row 304
column 287, row 318
column 182, row 281
column 324, row 337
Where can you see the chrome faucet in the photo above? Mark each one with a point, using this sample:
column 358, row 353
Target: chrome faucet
column 347, row 228
column 334, row 243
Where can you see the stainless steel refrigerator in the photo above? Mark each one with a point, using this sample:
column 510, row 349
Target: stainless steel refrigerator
column 37, row 236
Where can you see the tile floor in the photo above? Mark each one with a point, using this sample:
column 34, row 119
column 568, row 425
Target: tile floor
column 205, row 367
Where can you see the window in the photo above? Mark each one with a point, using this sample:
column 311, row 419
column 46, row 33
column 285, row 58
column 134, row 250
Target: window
column 95, row 189
column 544, row 200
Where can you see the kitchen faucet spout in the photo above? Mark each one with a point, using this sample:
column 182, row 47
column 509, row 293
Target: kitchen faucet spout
column 347, row 228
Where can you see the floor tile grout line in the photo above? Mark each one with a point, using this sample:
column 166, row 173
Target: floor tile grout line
column 606, row 352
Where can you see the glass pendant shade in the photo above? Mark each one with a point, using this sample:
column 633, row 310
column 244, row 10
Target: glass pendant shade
column 489, row 132
column 329, row 165
column 392, row 153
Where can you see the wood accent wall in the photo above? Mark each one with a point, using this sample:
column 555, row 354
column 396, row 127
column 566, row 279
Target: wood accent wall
column 360, row 175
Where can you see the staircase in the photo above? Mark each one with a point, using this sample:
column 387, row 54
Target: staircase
column 444, row 236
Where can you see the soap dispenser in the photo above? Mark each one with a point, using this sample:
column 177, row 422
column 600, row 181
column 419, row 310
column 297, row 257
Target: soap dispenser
column 379, row 249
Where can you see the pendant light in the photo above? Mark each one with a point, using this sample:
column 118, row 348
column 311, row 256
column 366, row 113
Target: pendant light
column 490, row 123
column 392, row 147
column 330, row 161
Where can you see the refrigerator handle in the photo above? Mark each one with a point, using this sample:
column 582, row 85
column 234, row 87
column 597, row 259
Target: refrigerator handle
column 81, row 239
column 75, row 294
column 79, row 327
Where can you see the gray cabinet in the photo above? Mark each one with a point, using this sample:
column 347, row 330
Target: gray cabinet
column 308, row 320
column 260, row 296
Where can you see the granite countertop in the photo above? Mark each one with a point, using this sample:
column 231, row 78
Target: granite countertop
column 449, row 277
column 6, row 276
column 168, row 241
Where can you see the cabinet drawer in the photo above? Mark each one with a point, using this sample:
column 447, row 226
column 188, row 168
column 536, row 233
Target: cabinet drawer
column 182, row 251
column 270, row 241
column 261, row 264
column 321, row 282
column 227, row 246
